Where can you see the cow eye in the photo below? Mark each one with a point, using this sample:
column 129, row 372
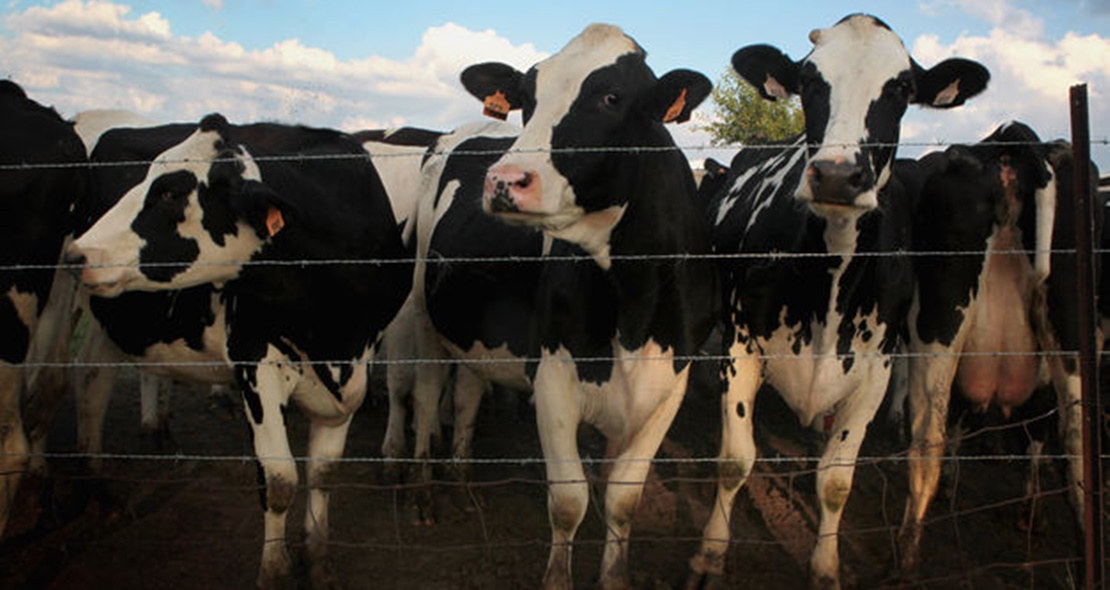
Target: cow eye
column 166, row 196
column 610, row 100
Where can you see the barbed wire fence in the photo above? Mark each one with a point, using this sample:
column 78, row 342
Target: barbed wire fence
column 507, row 468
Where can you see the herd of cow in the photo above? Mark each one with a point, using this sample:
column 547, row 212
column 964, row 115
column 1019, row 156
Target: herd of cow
column 573, row 257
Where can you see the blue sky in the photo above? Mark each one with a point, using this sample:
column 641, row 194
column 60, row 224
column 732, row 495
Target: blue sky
column 369, row 64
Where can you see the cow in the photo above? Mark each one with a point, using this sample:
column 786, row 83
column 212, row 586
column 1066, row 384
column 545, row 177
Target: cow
column 809, row 308
column 261, row 213
column 613, row 293
column 40, row 179
column 982, row 317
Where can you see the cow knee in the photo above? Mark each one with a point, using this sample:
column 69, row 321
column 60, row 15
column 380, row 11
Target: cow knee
column 732, row 473
column 278, row 494
column 835, row 494
column 566, row 512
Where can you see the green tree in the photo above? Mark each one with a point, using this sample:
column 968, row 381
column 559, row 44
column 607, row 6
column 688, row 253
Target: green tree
column 745, row 117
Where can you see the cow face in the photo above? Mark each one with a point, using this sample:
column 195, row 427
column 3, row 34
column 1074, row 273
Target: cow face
column 566, row 172
column 199, row 213
column 855, row 86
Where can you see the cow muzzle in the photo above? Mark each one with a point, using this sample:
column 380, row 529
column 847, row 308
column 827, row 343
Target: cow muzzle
column 837, row 182
column 511, row 189
column 92, row 267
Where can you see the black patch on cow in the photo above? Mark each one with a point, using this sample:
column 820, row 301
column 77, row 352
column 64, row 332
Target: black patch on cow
column 136, row 321
column 473, row 301
column 39, row 184
column 740, row 411
column 816, row 96
column 166, row 252
column 224, row 176
column 17, row 334
column 598, row 118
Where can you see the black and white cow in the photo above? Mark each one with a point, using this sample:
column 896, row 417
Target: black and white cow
column 235, row 207
column 603, row 328
column 809, row 308
column 39, row 183
column 979, row 322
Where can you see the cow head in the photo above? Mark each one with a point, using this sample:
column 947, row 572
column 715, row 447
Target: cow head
column 199, row 213
column 855, row 86
column 566, row 173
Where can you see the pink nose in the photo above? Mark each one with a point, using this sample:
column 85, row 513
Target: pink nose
column 510, row 189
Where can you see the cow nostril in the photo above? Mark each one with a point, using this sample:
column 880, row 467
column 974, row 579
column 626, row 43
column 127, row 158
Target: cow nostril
column 856, row 179
column 74, row 262
column 75, row 259
column 525, row 180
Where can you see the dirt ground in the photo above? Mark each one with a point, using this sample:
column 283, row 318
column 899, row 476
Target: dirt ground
column 192, row 520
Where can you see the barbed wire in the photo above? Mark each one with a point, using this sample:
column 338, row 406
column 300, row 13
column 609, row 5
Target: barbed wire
column 697, row 358
column 416, row 153
column 543, row 259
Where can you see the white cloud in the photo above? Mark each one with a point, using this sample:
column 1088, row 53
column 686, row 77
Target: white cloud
column 89, row 55
column 213, row 4
column 1030, row 80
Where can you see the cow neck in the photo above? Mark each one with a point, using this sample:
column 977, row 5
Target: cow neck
column 661, row 220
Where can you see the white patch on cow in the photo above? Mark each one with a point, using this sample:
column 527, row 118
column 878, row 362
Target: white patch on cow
column 314, row 398
column 856, row 57
column 559, row 81
column 640, row 381
column 398, row 166
column 812, row 381
column 777, row 179
column 1045, row 199
column 592, row 232
column 91, row 125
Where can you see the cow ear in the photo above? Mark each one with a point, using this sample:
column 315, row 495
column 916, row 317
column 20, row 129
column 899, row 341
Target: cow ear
column 675, row 96
column 949, row 83
column 769, row 70
column 264, row 208
column 497, row 85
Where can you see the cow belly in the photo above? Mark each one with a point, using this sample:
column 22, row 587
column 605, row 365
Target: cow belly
column 811, row 378
column 1000, row 360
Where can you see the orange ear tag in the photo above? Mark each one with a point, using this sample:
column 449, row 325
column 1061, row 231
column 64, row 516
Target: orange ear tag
column 274, row 221
column 676, row 109
column 496, row 106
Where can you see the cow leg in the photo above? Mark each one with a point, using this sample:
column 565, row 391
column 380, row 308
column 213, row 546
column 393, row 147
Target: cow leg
column 430, row 381
column 557, row 417
column 13, row 440
column 1069, row 395
column 400, row 350
column 743, row 376
column 469, row 389
column 932, row 370
column 625, row 484
column 263, row 402
column 94, row 378
column 325, row 447
column 836, row 470
column 47, row 384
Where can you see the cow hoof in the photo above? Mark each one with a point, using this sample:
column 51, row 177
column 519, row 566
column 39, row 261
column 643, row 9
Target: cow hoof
column 422, row 507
